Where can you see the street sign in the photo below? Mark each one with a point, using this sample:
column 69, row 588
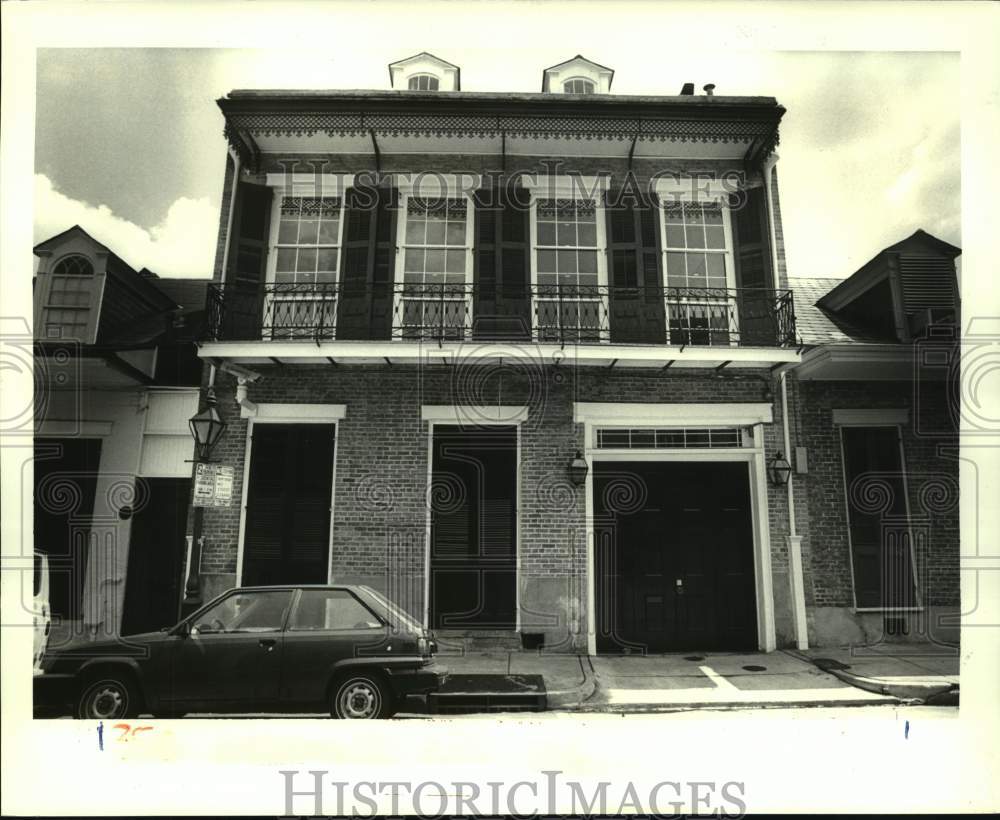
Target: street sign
column 213, row 485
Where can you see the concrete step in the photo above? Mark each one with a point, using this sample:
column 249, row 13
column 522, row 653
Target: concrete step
column 464, row 641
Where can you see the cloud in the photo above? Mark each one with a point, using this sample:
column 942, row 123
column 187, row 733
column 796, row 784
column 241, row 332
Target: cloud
column 183, row 244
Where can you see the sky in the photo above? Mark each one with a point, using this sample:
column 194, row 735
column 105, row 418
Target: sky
column 129, row 144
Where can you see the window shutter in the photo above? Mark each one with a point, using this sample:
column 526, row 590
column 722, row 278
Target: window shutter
column 752, row 253
column 636, row 283
column 502, row 264
column 368, row 263
column 247, row 261
column 287, row 536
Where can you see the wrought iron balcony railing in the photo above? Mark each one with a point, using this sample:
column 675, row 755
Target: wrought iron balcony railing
column 562, row 314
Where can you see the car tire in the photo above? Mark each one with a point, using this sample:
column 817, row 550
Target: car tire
column 108, row 697
column 361, row 696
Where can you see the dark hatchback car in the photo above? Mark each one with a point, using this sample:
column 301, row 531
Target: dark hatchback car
column 346, row 649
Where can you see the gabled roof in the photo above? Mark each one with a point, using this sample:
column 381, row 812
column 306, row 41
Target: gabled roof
column 435, row 58
column 598, row 66
column 59, row 238
column 873, row 271
column 817, row 326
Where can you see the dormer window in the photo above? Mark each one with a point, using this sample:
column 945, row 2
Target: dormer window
column 67, row 308
column 578, row 85
column 423, row 82
column 425, row 72
column 577, row 76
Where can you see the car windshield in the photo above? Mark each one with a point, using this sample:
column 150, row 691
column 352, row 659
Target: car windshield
column 246, row 612
column 397, row 616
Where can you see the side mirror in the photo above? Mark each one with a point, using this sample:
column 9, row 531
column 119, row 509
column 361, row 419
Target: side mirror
column 182, row 630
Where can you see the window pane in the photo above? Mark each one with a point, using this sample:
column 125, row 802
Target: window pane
column 456, row 261
column 566, row 234
column 695, row 236
column 308, row 231
column 587, row 233
column 331, row 609
column 715, row 237
column 675, row 236
column 327, row 260
column 567, row 261
column 456, row 232
column 286, row 259
column 288, row 231
column 413, row 261
column 246, row 612
column 307, row 260
column 546, row 233
column 546, row 261
column 587, row 261
column 415, row 227
column 328, row 231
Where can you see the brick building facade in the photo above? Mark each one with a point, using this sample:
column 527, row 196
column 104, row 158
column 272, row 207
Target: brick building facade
column 529, row 378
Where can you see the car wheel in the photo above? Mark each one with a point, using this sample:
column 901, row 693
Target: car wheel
column 108, row 697
column 361, row 697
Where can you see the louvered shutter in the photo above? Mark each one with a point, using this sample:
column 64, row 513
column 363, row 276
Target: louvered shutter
column 367, row 263
column 247, row 262
column 287, row 534
column 501, row 273
column 754, row 277
column 636, row 283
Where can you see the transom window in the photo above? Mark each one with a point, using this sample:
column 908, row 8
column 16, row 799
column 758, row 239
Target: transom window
column 423, row 82
column 302, row 296
column 696, row 254
column 578, row 85
column 673, row 438
column 436, row 251
column 572, row 304
column 67, row 308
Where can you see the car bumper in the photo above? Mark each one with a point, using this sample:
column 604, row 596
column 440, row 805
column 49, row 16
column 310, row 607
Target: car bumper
column 53, row 691
column 417, row 680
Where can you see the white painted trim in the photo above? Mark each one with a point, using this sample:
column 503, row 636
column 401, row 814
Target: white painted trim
column 885, row 417
column 431, row 184
column 566, row 186
column 474, row 414
column 303, row 184
column 757, row 479
column 247, row 452
column 319, row 413
column 427, row 526
column 288, row 351
column 61, row 428
column 692, row 189
column 638, row 414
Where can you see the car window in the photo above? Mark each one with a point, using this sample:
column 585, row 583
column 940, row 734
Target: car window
column 331, row 609
column 246, row 612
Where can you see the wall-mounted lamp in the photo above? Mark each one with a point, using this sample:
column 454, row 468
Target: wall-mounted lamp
column 778, row 470
column 578, row 469
column 207, row 427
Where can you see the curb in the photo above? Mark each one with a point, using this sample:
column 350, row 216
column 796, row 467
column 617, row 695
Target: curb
column 932, row 693
column 571, row 700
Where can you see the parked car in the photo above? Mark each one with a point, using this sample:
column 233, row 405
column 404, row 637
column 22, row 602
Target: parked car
column 41, row 615
column 346, row 649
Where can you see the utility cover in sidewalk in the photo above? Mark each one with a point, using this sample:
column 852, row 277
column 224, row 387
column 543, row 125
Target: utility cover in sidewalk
column 489, row 693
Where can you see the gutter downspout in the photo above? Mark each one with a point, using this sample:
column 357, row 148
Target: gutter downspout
column 793, row 541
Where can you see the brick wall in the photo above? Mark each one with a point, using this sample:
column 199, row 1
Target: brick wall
column 932, row 485
column 381, row 470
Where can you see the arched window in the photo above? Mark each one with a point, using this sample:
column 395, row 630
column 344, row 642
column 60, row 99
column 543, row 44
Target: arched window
column 578, row 85
column 67, row 308
column 422, row 82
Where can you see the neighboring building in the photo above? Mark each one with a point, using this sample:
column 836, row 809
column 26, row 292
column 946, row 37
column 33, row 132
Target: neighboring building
column 116, row 375
column 876, row 411
column 411, row 362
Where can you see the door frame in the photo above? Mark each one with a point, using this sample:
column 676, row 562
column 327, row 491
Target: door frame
column 289, row 414
column 638, row 415
column 453, row 415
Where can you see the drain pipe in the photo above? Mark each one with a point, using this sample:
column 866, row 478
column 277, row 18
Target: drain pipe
column 793, row 541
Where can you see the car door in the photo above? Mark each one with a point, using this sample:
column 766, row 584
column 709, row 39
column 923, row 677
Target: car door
column 326, row 625
column 231, row 658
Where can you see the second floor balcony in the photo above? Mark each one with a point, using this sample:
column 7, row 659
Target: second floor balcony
column 403, row 313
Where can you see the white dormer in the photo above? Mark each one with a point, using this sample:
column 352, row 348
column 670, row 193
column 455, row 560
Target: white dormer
column 577, row 76
column 425, row 72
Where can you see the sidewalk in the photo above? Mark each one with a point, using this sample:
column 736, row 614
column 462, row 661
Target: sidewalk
column 727, row 680
column 917, row 671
